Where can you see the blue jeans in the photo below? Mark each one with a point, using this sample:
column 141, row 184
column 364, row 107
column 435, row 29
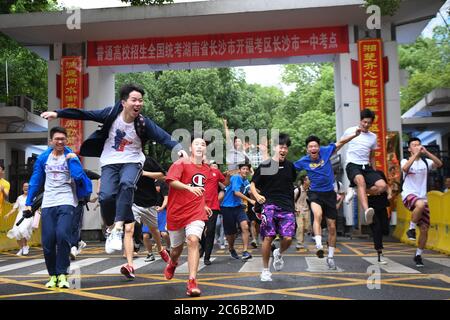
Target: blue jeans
column 116, row 195
column 56, row 231
column 76, row 225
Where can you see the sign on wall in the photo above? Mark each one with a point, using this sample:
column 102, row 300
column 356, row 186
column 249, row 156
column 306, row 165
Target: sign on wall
column 72, row 97
column 214, row 47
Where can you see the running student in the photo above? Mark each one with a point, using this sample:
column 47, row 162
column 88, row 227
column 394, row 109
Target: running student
column 302, row 212
column 321, row 192
column 60, row 172
column 361, row 163
column 414, row 194
column 215, row 180
column 144, row 210
column 22, row 233
column 119, row 145
column 276, row 191
column 187, row 211
column 380, row 225
column 233, row 211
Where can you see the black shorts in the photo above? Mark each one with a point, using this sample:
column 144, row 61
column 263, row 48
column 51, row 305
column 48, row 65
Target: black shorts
column 327, row 200
column 251, row 212
column 370, row 175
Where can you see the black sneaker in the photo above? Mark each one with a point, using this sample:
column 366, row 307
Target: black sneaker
column 319, row 253
column 206, row 262
column 418, row 261
column 411, row 233
column 234, row 254
column 246, row 255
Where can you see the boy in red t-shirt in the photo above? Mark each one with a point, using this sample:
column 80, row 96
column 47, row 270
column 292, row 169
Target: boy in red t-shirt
column 187, row 211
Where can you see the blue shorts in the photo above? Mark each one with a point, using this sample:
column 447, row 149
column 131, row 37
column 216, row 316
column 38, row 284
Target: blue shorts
column 145, row 229
column 162, row 221
column 231, row 217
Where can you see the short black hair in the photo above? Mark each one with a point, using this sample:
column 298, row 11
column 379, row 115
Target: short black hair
column 283, row 139
column 367, row 113
column 414, row 139
column 2, row 166
column 246, row 164
column 57, row 130
column 127, row 89
column 312, row 138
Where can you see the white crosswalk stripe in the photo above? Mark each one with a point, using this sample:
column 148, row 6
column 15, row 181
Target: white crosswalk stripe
column 391, row 266
column 77, row 264
column 137, row 263
column 20, row 265
column 316, row 264
column 442, row 261
column 254, row 264
column 184, row 267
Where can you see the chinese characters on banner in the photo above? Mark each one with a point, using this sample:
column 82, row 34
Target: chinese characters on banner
column 371, row 92
column 72, row 97
column 233, row 46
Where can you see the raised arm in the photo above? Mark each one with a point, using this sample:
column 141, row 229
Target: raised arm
column 78, row 114
column 347, row 139
column 437, row 163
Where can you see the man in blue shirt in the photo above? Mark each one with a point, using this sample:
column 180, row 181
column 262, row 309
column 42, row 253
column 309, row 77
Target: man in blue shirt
column 233, row 211
column 321, row 191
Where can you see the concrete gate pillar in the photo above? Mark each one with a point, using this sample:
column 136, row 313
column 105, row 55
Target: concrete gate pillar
column 347, row 95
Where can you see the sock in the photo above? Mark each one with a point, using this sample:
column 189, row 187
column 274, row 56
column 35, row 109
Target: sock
column 318, row 241
column 412, row 225
column 330, row 252
column 266, row 269
column 419, row 252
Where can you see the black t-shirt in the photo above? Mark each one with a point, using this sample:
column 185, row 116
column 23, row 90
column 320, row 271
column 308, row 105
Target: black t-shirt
column 278, row 187
column 381, row 201
column 164, row 191
column 145, row 194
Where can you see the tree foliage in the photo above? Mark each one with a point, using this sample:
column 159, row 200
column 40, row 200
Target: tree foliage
column 427, row 61
column 21, row 6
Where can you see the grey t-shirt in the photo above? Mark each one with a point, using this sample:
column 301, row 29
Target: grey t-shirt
column 59, row 188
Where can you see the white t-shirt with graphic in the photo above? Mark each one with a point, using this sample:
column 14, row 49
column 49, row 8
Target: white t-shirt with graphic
column 123, row 145
column 359, row 148
column 59, row 187
column 415, row 182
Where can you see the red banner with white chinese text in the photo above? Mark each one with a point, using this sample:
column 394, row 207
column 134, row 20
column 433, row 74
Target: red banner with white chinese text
column 214, row 47
column 72, row 97
column 371, row 92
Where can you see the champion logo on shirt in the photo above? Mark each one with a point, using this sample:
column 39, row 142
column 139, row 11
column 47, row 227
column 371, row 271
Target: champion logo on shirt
column 321, row 163
column 198, row 180
column 119, row 141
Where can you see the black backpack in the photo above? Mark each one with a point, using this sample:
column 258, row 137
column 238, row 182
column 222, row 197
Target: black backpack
column 403, row 175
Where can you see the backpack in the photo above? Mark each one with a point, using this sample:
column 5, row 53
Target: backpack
column 403, row 175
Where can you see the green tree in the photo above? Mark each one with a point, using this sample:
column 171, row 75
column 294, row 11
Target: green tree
column 21, row 6
column 27, row 74
column 427, row 61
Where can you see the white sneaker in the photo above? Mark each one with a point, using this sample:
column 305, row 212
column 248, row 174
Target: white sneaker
column 299, row 246
column 369, row 213
column 25, row 250
column 73, row 253
column 114, row 241
column 81, row 246
column 278, row 262
column 222, row 246
column 20, row 252
column 350, row 195
column 266, row 275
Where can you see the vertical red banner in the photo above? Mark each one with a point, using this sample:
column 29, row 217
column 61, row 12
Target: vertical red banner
column 371, row 92
column 72, row 97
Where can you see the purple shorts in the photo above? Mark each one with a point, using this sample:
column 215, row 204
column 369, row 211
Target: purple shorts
column 276, row 221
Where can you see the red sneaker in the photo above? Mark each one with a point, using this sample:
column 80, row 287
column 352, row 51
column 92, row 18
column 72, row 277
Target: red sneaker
column 169, row 270
column 127, row 271
column 164, row 255
column 192, row 288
